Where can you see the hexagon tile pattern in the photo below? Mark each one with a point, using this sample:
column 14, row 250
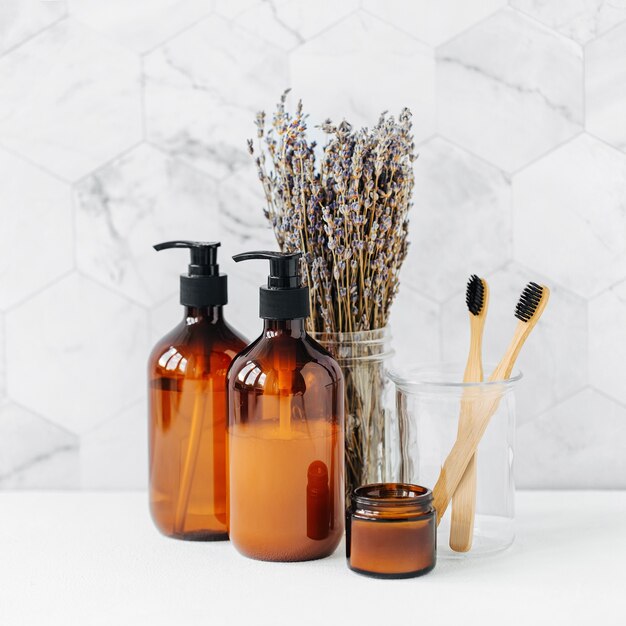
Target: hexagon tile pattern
column 287, row 24
column 30, row 257
column 141, row 24
column 560, row 449
column 329, row 75
column 607, row 341
column 77, row 353
column 450, row 185
column 203, row 90
column 50, row 460
column 509, row 89
column 580, row 20
column 580, row 210
column 605, row 85
column 432, row 21
column 125, row 208
column 411, row 314
column 22, row 19
column 69, row 100
column 125, row 123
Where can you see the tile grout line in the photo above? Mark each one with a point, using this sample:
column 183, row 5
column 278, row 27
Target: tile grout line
column 108, row 163
column 142, row 98
column 10, row 309
column 28, row 39
column 43, row 418
column 21, row 157
column 171, row 37
column 385, row 21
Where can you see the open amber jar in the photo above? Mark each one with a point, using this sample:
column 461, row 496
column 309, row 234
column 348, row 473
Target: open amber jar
column 391, row 531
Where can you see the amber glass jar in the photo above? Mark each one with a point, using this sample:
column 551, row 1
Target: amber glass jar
column 187, row 425
column 391, row 531
column 286, row 446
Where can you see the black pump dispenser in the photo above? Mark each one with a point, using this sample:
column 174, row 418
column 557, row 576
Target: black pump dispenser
column 203, row 285
column 284, row 297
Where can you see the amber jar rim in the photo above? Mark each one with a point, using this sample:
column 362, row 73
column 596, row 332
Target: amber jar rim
column 380, row 496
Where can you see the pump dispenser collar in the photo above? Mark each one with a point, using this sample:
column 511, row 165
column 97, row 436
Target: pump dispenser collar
column 284, row 297
column 203, row 285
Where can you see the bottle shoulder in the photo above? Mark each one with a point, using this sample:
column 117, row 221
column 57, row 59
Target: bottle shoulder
column 233, row 337
column 300, row 355
column 199, row 346
column 325, row 356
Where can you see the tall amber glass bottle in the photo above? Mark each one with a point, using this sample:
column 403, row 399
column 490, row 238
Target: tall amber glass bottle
column 285, row 430
column 188, row 405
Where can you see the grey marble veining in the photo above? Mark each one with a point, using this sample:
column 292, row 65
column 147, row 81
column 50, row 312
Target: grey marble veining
column 509, row 89
column 125, row 123
column 123, row 209
column 581, row 20
column 605, row 86
column 22, row 19
column 69, row 99
column 203, row 88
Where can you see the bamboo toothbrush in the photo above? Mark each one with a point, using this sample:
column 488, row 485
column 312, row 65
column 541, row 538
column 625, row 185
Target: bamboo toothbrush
column 531, row 305
column 464, row 499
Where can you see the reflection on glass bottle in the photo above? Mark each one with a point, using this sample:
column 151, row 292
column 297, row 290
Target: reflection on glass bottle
column 188, row 406
column 285, row 432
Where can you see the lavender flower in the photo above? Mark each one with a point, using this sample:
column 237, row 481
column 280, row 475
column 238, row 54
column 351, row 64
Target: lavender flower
column 347, row 211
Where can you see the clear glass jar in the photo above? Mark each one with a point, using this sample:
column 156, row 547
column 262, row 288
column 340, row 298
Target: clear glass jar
column 364, row 359
column 428, row 401
column 391, row 531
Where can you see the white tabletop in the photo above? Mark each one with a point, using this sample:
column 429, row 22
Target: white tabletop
column 95, row 558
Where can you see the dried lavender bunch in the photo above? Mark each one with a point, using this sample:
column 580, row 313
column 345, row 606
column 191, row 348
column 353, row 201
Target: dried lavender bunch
column 347, row 211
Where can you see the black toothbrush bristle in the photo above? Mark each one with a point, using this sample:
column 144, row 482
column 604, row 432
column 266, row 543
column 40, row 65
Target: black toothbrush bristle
column 528, row 302
column 475, row 295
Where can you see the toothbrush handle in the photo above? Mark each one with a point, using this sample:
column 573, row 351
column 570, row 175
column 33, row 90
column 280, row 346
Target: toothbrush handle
column 464, row 498
column 483, row 409
column 463, row 450
column 465, row 447
column 464, row 510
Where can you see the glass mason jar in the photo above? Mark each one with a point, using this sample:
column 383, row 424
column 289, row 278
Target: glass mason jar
column 364, row 359
column 428, row 401
column 391, row 531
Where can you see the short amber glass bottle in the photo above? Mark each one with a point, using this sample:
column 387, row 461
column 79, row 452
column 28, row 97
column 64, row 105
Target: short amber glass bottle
column 286, row 447
column 285, row 431
column 391, row 531
column 188, row 411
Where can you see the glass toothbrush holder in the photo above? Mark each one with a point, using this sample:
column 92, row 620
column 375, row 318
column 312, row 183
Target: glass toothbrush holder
column 428, row 402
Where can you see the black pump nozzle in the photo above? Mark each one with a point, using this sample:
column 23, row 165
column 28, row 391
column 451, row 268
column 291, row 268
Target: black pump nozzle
column 284, row 297
column 203, row 255
column 203, row 285
column 284, row 267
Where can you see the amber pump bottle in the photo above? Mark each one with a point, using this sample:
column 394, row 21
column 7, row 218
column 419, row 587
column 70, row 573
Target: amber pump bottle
column 285, row 430
column 188, row 405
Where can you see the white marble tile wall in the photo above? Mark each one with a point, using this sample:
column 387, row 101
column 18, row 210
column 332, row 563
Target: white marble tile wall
column 124, row 123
